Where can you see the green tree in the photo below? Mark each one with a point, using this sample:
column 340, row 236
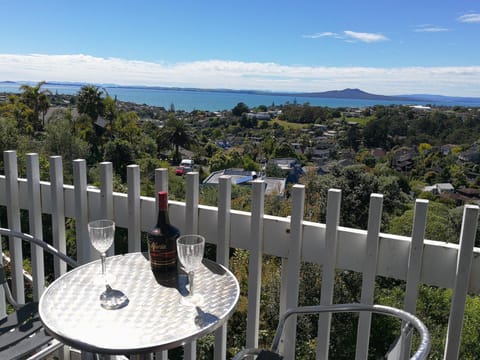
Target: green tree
column 284, row 150
column 36, row 98
column 121, row 153
column 224, row 160
column 9, row 134
column 90, row 102
column 175, row 132
column 126, row 127
column 240, row 109
column 60, row 140
column 110, row 114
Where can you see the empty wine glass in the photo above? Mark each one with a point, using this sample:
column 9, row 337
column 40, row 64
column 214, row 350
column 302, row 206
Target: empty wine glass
column 102, row 233
column 190, row 250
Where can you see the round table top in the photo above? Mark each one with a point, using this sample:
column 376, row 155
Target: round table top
column 154, row 318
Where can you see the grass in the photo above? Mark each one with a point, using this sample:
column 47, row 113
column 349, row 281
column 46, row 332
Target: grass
column 289, row 125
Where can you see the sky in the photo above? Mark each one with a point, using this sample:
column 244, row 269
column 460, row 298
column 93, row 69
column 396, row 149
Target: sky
column 388, row 47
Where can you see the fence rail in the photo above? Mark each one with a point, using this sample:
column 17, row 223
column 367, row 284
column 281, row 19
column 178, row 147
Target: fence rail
column 370, row 252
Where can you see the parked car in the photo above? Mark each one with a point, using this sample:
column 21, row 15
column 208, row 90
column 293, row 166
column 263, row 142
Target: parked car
column 185, row 166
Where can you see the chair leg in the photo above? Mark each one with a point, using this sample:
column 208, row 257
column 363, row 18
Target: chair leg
column 43, row 353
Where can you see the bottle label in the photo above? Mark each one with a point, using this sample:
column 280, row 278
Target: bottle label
column 162, row 256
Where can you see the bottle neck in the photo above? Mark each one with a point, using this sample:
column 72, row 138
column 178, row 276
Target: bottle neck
column 163, row 218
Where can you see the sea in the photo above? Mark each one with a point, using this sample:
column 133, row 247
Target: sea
column 219, row 100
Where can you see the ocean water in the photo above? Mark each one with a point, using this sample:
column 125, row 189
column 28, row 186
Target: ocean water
column 189, row 100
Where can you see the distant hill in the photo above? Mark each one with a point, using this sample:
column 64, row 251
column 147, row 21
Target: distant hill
column 352, row 94
column 348, row 93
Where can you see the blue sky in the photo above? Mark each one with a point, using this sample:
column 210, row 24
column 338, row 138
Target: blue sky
column 381, row 46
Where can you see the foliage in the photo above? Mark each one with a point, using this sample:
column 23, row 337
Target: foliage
column 37, row 100
column 442, row 223
column 60, row 140
column 356, row 185
column 226, row 160
column 90, row 102
column 305, row 114
column 240, row 109
column 175, row 132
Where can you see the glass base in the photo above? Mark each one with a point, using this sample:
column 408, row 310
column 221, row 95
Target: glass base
column 112, row 299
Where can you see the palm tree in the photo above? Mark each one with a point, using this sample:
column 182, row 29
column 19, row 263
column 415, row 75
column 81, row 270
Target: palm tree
column 37, row 100
column 177, row 134
column 90, row 101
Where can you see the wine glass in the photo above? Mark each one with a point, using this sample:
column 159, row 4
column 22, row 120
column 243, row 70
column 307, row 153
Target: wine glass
column 101, row 234
column 190, row 250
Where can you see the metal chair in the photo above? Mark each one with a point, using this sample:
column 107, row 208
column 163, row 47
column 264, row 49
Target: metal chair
column 411, row 322
column 21, row 333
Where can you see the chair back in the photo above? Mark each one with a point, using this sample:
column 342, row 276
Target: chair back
column 409, row 321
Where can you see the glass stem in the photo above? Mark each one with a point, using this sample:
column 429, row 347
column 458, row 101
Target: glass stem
column 190, row 282
column 104, row 267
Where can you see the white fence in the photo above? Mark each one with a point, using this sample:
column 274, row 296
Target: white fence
column 368, row 251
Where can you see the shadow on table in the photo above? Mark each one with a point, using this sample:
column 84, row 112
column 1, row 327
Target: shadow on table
column 204, row 319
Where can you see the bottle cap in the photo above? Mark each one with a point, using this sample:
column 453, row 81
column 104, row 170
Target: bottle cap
column 163, row 200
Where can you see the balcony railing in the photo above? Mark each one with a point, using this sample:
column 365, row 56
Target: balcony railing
column 370, row 252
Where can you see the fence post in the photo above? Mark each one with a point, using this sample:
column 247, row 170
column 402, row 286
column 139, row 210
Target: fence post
column 223, row 250
column 293, row 267
column 85, row 250
column 462, row 278
column 328, row 270
column 133, row 180
column 13, row 215
column 58, row 213
column 191, row 227
column 369, row 273
column 35, row 223
column 255, row 263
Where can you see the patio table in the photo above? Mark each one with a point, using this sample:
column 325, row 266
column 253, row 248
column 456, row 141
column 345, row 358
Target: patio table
column 154, row 318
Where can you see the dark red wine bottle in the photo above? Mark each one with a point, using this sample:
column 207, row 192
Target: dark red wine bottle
column 162, row 244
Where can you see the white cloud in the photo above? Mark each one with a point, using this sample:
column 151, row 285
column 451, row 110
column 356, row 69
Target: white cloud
column 455, row 81
column 349, row 36
column 365, row 37
column 469, row 18
column 430, row 28
column 320, row 35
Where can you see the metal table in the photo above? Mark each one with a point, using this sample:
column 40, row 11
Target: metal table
column 154, row 318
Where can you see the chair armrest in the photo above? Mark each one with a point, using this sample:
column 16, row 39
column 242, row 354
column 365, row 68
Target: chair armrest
column 246, row 352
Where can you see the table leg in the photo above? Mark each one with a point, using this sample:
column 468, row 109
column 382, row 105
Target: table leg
column 141, row 357
column 91, row 356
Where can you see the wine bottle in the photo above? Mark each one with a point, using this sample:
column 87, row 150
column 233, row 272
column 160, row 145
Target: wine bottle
column 162, row 245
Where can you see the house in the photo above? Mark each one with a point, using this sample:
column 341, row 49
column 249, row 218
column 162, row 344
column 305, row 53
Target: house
column 470, row 155
column 259, row 116
column 224, row 144
column 297, row 147
column 403, row 161
column 320, row 156
column 447, row 149
column 440, row 188
column 378, row 153
column 292, row 168
column 273, row 186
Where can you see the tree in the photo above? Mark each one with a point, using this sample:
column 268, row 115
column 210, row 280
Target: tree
column 90, row 102
column 126, row 127
column 224, row 160
column 121, row 154
column 284, row 150
column 239, row 109
column 9, row 134
column 37, row 100
column 110, row 114
column 60, row 140
column 175, row 132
